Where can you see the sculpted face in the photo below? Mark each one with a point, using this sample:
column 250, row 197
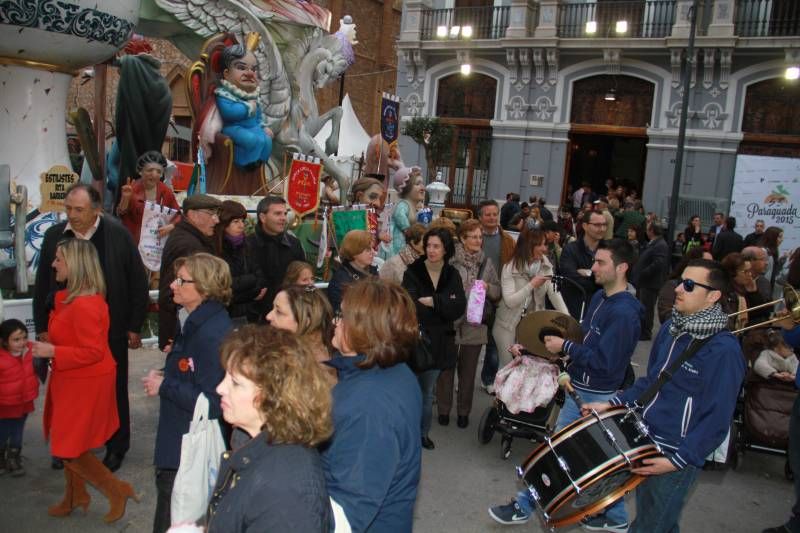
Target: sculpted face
column 243, row 73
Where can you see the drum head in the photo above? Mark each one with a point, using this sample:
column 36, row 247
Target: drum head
column 532, row 328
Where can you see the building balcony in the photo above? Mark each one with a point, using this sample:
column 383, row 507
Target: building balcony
column 767, row 18
column 612, row 18
column 486, row 22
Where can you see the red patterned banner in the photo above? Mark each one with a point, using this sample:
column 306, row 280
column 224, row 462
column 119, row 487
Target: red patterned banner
column 302, row 186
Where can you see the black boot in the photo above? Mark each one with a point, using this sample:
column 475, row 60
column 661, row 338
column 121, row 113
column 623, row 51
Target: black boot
column 14, row 462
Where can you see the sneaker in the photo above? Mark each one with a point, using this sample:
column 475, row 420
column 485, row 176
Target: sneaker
column 598, row 523
column 509, row 514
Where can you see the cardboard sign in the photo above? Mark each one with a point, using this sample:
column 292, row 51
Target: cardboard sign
column 53, row 187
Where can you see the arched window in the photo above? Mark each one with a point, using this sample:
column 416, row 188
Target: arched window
column 612, row 101
column 770, row 107
column 470, row 96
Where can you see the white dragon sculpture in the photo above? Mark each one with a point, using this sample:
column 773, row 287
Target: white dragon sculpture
column 311, row 58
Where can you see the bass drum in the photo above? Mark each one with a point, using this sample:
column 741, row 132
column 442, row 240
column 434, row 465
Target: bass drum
column 583, row 470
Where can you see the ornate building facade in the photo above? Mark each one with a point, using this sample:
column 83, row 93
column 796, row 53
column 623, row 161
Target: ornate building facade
column 561, row 92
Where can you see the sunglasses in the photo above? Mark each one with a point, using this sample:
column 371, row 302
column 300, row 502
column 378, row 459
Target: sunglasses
column 690, row 284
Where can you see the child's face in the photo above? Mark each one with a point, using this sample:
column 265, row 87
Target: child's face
column 784, row 350
column 17, row 341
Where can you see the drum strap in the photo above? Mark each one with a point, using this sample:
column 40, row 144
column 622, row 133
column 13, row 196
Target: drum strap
column 665, row 375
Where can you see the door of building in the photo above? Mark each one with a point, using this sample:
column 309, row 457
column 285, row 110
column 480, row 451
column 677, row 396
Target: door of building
column 467, row 172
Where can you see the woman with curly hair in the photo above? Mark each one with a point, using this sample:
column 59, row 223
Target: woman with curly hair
column 275, row 393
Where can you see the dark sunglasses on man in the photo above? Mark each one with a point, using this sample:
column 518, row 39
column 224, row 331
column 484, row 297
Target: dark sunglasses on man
column 690, row 284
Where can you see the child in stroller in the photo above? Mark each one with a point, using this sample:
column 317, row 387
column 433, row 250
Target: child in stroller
column 527, row 401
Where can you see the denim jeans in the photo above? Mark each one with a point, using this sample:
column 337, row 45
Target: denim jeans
column 11, row 431
column 490, row 362
column 660, row 500
column 427, row 381
column 615, row 513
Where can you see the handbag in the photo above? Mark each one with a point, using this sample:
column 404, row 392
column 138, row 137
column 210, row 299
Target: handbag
column 422, row 357
column 488, row 307
column 201, row 451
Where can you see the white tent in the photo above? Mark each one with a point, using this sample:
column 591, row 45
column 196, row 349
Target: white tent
column 353, row 139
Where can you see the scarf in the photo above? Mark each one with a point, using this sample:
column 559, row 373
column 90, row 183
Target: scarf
column 471, row 262
column 232, row 92
column 235, row 241
column 701, row 324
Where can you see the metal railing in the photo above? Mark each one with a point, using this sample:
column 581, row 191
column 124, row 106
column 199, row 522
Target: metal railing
column 487, row 22
column 767, row 18
column 645, row 18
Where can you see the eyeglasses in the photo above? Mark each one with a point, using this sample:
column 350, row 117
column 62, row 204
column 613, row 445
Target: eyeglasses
column 337, row 317
column 180, row 282
column 690, row 284
column 210, row 212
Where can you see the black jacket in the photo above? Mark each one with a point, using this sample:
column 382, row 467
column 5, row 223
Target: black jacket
column 263, row 487
column 273, row 254
column 507, row 212
column 576, row 255
column 652, row 267
column 126, row 279
column 184, row 240
column 449, row 303
column 727, row 242
column 247, row 280
column 344, row 275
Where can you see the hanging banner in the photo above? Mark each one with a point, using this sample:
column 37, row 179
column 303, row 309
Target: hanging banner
column 768, row 189
column 151, row 243
column 303, row 183
column 390, row 117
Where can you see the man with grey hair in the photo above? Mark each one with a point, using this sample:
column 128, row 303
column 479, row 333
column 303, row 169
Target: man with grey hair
column 650, row 273
column 759, row 290
column 753, row 238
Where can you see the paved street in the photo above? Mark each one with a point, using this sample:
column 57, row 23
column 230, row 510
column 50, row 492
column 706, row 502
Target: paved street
column 460, row 479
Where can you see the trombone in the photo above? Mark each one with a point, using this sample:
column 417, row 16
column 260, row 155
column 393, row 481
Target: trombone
column 790, row 298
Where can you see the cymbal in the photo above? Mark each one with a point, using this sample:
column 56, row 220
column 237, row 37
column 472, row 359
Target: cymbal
column 534, row 326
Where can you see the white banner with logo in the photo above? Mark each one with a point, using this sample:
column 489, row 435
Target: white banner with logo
column 768, row 189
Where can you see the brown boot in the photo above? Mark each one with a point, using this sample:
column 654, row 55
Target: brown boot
column 116, row 491
column 74, row 496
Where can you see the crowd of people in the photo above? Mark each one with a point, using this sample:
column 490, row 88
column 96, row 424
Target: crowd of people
column 324, row 420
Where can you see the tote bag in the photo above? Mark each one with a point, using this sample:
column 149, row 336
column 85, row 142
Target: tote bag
column 201, row 451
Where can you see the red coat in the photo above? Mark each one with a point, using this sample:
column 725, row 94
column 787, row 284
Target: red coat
column 18, row 384
column 80, row 411
column 132, row 218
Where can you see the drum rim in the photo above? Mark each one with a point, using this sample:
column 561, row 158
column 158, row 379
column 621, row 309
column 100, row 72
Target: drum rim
column 567, row 432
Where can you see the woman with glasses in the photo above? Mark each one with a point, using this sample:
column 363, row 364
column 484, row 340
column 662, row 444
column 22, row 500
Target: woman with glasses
column 248, row 284
column 305, row 311
column 202, row 289
column 474, row 268
column 526, row 282
column 356, row 254
column 438, row 293
column 372, row 462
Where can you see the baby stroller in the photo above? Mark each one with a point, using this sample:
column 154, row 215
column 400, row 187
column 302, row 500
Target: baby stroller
column 761, row 419
column 535, row 424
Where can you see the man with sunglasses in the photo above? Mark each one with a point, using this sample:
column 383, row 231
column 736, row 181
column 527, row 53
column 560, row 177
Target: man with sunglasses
column 691, row 413
column 598, row 365
column 192, row 234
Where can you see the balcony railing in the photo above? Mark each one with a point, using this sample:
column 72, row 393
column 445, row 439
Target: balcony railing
column 645, row 18
column 767, row 18
column 487, row 22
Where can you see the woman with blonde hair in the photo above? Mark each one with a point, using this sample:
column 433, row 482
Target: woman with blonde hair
column 526, row 282
column 80, row 409
column 306, row 312
column 356, row 254
column 202, row 287
column 372, row 463
column 281, row 400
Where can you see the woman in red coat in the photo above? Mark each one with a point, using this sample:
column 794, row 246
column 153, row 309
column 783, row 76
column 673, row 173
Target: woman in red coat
column 80, row 409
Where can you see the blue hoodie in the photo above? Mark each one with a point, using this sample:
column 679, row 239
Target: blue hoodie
column 372, row 462
column 692, row 413
column 611, row 330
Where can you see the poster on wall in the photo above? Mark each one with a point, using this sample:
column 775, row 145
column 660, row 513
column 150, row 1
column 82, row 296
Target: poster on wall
column 768, row 189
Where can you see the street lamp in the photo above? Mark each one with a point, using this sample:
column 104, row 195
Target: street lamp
column 466, row 68
column 792, row 73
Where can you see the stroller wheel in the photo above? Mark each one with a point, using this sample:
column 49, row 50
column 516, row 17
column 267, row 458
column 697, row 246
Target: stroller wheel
column 487, row 424
column 506, row 448
column 787, row 471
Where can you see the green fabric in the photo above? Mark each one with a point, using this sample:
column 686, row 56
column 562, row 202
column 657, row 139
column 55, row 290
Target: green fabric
column 144, row 107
